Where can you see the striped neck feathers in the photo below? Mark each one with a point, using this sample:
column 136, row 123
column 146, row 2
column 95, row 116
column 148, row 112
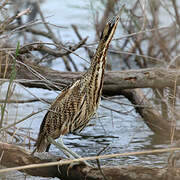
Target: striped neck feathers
column 99, row 58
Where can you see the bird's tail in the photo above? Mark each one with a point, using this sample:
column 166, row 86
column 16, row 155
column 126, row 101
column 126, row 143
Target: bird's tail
column 42, row 144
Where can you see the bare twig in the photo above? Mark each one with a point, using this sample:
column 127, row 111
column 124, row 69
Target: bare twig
column 25, row 118
column 39, row 46
column 19, row 101
column 11, row 19
column 90, row 53
column 175, row 6
column 4, row 4
column 98, row 162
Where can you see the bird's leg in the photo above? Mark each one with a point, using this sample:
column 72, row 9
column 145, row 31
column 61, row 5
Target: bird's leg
column 66, row 150
column 59, row 146
column 75, row 155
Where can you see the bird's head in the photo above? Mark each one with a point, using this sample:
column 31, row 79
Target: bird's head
column 109, row 30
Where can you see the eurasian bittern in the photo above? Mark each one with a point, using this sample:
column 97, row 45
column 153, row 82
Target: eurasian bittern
column 72, row 109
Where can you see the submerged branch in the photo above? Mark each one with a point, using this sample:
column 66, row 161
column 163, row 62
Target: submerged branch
column 150, row 115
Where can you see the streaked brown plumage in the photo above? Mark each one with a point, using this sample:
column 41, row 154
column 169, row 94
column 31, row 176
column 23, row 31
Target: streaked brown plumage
column 75, row 105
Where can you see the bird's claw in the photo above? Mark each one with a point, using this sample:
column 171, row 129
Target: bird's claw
column 75, row 165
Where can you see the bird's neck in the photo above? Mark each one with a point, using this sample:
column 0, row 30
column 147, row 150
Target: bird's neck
column 94, row 77
column 97, row 67
column 95, row 74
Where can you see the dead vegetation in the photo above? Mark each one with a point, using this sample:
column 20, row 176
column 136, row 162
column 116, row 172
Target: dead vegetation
column 148, row 55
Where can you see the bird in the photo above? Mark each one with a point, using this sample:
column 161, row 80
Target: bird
column 76, row 104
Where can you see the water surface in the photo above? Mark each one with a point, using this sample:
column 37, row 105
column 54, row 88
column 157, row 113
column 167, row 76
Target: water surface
column 120, row 132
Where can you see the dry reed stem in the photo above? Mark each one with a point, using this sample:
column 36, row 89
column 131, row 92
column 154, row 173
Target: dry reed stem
column 38, row 75
column 25, row 12
column 19, row 101
column 4, row 4
column 173, row 122
column 23, row 119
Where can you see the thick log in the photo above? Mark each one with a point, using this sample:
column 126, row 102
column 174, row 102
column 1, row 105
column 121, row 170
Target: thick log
column 34, row 75
column 13, row 156
column 141, row 78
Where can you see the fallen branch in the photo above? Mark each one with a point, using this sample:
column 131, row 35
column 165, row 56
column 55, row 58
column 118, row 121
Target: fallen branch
column 13, row 156
column 115, row 81
column 54, row 52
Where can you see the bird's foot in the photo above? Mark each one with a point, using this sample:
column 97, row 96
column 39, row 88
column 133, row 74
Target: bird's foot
column 75, row 166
